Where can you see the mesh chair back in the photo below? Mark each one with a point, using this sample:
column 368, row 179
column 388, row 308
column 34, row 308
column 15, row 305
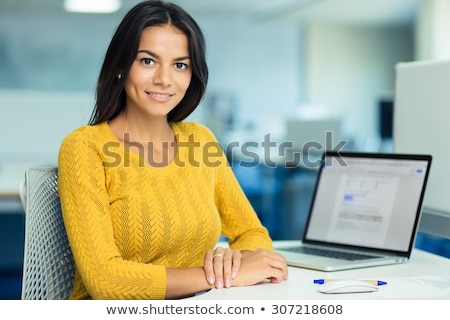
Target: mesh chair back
column 48, row 267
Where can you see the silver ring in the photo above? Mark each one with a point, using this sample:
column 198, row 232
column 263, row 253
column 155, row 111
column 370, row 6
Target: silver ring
column 217, row 255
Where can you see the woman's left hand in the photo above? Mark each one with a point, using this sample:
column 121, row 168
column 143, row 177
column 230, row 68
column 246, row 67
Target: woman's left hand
column 221, row 266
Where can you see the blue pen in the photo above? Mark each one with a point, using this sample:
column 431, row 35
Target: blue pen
column 375, row 282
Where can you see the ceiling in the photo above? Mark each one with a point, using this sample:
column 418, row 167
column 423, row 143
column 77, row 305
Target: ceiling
column 361, row 12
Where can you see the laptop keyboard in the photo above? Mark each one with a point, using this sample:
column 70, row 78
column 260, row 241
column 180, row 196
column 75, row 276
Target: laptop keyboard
column 331, row 253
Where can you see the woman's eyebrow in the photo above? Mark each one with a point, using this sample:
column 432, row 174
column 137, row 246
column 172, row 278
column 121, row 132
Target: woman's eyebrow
column 158, row 57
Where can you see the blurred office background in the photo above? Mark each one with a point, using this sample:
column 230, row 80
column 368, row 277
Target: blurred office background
column 287, row 70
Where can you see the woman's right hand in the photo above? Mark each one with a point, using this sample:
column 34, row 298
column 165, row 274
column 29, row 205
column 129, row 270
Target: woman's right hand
column 260, row 265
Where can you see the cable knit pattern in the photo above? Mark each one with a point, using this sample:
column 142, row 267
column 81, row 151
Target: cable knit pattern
column 127, row 221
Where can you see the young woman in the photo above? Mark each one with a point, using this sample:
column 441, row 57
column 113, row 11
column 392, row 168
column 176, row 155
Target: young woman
column 146, row 196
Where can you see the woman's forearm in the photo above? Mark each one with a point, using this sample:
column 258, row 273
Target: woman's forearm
column 185, row 282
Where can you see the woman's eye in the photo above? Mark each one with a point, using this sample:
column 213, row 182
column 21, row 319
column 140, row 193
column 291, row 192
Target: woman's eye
column 147, row 61
column 181, row 66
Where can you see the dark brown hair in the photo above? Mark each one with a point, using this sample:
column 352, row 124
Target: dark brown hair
column 110, row 92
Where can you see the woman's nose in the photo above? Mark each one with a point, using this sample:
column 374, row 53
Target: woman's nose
column 162, row 77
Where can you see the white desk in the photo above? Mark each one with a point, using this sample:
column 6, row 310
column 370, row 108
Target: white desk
column 300, row 285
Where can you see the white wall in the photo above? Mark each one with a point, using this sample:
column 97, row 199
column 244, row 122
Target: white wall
column 52, row 51
column 33, row 123
column 261, row 66
column 432, row 29
column 350, row 68
column 32, row 126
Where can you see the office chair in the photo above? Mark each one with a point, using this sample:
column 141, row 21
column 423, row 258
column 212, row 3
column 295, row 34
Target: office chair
column 48, row 266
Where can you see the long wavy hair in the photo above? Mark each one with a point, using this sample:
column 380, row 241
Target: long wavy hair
column 122, row 51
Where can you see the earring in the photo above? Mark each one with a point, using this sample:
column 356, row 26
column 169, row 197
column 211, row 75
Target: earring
column 119, row 76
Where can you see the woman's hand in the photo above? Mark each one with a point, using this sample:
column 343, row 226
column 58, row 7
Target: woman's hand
column 226, row 267
column 260, row 265
column 222, row 266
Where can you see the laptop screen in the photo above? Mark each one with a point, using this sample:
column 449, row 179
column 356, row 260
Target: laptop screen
column 368, row 200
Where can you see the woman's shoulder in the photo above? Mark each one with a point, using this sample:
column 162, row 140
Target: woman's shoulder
column 87, row 133
column 186, row 128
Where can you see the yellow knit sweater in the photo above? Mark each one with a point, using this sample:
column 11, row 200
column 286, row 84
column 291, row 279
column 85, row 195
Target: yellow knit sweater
column 127, row 221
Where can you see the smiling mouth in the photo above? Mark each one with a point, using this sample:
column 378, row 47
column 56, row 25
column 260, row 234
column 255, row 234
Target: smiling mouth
column 160, row 95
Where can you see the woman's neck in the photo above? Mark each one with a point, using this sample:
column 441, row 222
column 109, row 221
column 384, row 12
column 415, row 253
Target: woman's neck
column 153, row 139
column 141, row 130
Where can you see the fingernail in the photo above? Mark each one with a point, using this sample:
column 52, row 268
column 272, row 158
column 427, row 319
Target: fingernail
column 233, row 274
column 211, row 280
column 227, row 283
column 219, row 285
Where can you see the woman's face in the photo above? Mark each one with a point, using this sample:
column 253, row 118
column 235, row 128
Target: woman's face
column 161, row 73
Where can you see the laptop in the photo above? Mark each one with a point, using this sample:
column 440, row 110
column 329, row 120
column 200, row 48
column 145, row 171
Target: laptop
column 365, row 211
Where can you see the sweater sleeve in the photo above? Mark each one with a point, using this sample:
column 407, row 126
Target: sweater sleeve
column 85, row 204
column 240, row 223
